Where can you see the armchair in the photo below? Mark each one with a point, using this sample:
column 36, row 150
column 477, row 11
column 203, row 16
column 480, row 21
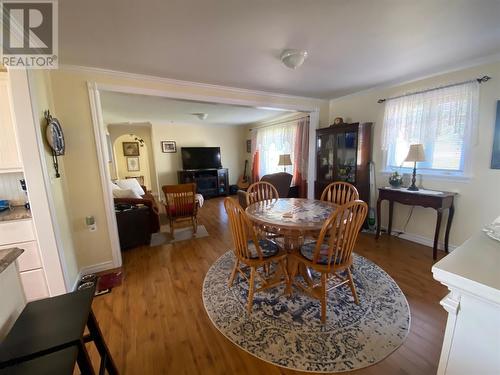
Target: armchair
column 281, row 181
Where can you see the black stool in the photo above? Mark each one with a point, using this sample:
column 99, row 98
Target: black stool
column 52, row 325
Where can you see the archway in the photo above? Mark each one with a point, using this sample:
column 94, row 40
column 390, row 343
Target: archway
column 131, row 155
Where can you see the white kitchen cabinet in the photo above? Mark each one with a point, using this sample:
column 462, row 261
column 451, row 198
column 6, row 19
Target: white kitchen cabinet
column 9, row 155
column 30, row 258
column 20, row 233
column 15, row 231
column 471, row 342
column 34, row 284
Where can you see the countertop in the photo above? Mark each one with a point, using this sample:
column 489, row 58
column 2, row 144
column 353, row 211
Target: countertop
column 15, row 213
column 8, row 256
column 473, row 267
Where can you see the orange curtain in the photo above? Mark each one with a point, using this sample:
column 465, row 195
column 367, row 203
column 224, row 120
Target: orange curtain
column 255, row 166
column 301, row 156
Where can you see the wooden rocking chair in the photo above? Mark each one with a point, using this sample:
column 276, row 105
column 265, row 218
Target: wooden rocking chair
column 181, row 204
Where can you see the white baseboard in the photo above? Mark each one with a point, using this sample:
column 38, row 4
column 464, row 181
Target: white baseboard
column 99, row 267
column 419, row 239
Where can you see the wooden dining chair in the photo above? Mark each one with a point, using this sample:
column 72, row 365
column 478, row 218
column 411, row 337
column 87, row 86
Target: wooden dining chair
column 181, row 204
column 254, row 253
column 331, row 253
column 340, row 193
column 261, row 191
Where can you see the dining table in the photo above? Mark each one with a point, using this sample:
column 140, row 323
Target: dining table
column 294, row 219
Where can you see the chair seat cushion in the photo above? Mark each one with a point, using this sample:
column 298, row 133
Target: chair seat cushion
column 307, row 251
column 268, row 248
column 187, row 208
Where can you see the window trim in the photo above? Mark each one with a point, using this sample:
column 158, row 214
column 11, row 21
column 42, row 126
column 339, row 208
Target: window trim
column 434, row 174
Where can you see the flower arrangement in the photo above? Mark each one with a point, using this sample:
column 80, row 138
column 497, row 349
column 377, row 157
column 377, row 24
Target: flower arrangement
column 395, row 179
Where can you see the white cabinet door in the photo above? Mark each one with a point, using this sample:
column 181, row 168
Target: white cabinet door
column 30, row 258
column 16, row 231
column 34, row 284
column 9, row 156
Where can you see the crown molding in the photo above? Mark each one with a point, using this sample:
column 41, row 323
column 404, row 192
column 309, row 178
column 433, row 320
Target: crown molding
column 469, row 64
column 280, row 119
column 171, row 81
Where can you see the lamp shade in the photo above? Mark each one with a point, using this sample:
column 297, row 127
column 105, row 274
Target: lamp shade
column 285, row 160
column 416, row 153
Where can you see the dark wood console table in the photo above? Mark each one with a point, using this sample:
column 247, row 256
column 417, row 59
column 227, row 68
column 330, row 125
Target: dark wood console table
column 439, row 202
column 209, row 182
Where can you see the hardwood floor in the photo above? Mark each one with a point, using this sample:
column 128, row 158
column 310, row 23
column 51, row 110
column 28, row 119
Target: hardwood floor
column 155, row 322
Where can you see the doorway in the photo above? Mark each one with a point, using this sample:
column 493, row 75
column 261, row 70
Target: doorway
column 95, row 90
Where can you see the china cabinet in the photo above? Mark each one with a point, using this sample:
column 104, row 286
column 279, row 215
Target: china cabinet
column 343, row 153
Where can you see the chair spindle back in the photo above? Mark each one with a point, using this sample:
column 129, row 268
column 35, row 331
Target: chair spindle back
column 180, row 199
column 261, row 191
column 342, row 229
column 241, row 230
column 340, row 193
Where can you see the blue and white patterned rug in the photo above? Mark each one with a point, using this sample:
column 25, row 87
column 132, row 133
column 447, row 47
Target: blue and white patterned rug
column 287, row 331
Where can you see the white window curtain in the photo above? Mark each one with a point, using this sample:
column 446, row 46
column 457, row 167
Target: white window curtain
column 273, row 141
column 443, row 120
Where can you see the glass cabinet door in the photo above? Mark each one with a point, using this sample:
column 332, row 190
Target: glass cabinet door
column 344, row 165
column 326, row 156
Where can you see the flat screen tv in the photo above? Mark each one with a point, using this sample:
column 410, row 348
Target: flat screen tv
column 201, row 157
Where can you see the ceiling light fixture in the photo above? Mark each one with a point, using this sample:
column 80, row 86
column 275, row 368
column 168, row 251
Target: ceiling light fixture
column 293, row 58
column 201, row 116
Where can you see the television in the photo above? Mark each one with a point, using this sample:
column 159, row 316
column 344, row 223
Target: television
column 200, row 157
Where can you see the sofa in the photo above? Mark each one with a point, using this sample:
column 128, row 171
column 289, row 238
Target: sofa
column 281, row 181
column 147, row 199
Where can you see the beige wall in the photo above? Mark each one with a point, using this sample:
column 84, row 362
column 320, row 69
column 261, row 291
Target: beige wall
column 122, row 160
column 81, row 164
column 228, row 138
column 478, row 202
column 146, row 156
column 40, row 87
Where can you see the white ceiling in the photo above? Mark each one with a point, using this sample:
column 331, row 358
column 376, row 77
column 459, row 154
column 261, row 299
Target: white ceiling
column 123, row 108
column 352, row 44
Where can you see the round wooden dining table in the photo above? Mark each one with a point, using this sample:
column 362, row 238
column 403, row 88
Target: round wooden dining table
column 293, row 218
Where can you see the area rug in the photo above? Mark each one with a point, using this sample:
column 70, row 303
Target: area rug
column 163, row 237
column 287, row 331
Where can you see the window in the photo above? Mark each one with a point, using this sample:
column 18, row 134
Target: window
column 444, row 120
column 272, row 142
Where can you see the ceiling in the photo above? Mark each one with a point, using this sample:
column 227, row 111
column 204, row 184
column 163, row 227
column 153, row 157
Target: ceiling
column 352, row 44
column 123, row 108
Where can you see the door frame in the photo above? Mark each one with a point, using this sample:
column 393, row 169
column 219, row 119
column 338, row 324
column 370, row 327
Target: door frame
column 94, row 88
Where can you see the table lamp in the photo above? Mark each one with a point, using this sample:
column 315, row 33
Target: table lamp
column 284, row 161
column 415, row 153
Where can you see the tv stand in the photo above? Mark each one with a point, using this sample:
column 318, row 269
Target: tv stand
column 209, row 182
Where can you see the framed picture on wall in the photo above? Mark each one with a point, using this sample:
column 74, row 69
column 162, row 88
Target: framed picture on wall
column 168, row 146
column 130, row 148
column 133, row 164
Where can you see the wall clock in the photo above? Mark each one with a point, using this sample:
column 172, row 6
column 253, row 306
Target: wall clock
column 55, row 138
